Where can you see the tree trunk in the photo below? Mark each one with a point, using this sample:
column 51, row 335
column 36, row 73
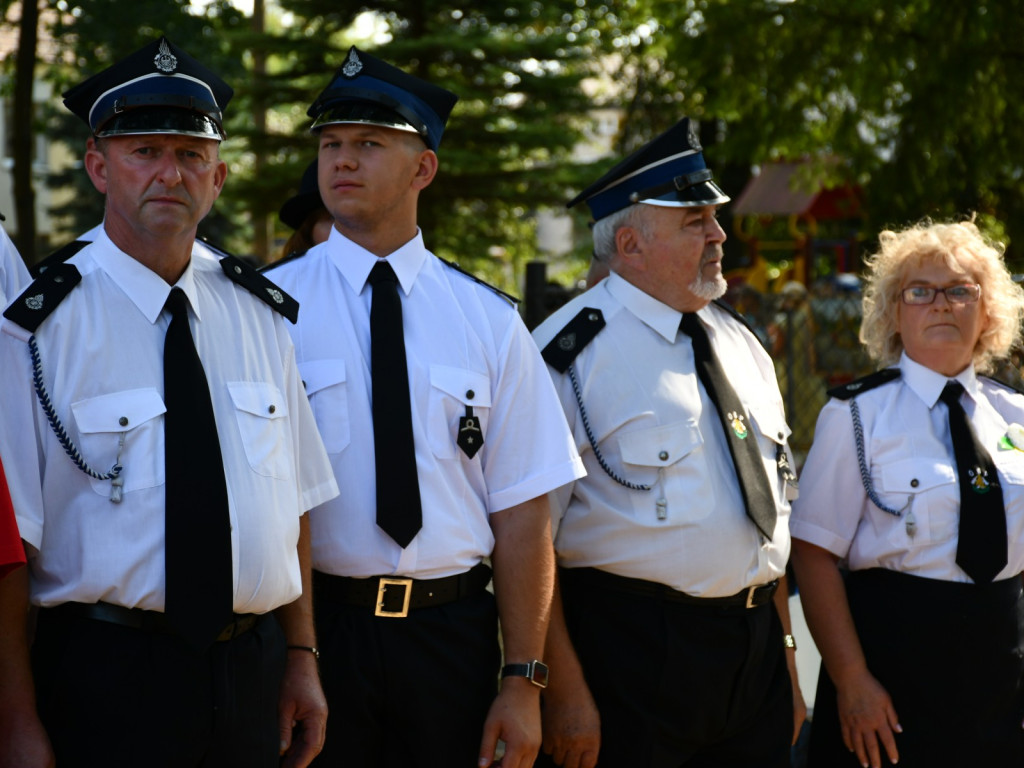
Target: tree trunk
column 22, row 133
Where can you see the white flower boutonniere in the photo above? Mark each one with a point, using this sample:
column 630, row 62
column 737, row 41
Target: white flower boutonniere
column 1014, row 437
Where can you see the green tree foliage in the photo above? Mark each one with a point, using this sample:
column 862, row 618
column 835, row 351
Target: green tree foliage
column 516, row 67
column 918, row 97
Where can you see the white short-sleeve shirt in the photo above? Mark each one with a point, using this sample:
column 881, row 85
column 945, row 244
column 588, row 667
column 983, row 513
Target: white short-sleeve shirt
column 466, row 347
column 909, row 455
column 101, row 359
column 655, row 425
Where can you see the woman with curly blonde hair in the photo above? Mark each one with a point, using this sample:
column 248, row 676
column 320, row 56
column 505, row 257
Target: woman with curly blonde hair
column 908, row 536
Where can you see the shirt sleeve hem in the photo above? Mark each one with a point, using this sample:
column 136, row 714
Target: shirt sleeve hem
column 812, row 534
column 321, row 494
column 539, row 485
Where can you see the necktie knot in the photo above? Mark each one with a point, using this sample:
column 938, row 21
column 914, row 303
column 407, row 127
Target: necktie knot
column 690, row 325
column 177, row 303
column 382, row 273
column 951, row 392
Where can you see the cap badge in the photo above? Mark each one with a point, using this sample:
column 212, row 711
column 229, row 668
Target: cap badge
column 352, row 66
column 693, row 138
column 164, row 60
column 276, row 295
column 34, row 302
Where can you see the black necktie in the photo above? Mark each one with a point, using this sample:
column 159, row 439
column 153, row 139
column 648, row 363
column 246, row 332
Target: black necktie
column 746, row 456
column 981, row 545
column 198, row 599
column 399, row 513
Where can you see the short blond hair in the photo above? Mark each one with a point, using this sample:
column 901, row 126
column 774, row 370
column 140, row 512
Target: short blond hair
column 959, row 245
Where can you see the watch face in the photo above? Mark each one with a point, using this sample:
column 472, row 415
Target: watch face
column 540, row 674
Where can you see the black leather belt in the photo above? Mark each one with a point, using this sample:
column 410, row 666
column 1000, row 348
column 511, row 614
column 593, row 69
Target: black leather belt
column 394, row 597
column 594, row 578
column 145, row 621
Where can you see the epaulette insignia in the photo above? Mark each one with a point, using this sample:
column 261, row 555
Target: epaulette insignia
column 283, row 260
column 731, row 310
column 1008, row 378
column 513, row 300
column 59, row 256
column 857, row 386
column 570, row 341
column 260, row 286
column 42, row 296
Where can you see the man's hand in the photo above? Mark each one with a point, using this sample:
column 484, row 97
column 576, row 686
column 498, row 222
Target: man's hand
column 514, row 718
column 571, row 725
column 868, row 719
column 302, row 711
column 23, row 741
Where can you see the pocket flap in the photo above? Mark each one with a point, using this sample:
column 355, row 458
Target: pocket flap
column 320, row 374
column 660, row 446
column 118, row 411
column 917, row 474
column 770, row 421
column 258, row 398
column 468, row 387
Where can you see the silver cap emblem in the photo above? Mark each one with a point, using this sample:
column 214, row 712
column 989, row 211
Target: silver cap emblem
column 353, row 66
column 164, row 60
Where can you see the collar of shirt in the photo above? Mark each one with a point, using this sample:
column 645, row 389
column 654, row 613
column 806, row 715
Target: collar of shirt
column 147, row 290
column 660, row 318
column 355, row 262
column 928, row 384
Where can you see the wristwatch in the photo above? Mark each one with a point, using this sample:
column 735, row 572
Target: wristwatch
column 535, row 671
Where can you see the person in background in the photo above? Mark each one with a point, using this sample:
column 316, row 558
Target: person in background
column 446, row 434
column 672, row 550
column 304, row 212
column 909, row 531
column 161, row 454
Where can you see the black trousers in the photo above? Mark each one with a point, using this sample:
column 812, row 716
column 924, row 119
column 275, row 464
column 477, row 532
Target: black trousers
column 113, row 696
column 405, row 692
column 682, row 685
column 951, row 657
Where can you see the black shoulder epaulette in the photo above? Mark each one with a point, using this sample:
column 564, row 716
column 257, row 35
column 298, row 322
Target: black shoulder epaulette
column 59, row 256
column 514, row 301
column 730, row 309
column 570, row 341
column 1010, row 379
column 42, row 297
column 857, row 386
column 260, row 286
column 283, row 260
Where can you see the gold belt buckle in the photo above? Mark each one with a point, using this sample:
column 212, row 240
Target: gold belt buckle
column 382, row 588
column 750, row 596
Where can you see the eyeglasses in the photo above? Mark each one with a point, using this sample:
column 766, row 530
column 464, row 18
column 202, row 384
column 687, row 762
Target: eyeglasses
column 965, row 293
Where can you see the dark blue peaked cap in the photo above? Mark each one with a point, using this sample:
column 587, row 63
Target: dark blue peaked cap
column 157, row 89
column 368, row 90
column 668, row 171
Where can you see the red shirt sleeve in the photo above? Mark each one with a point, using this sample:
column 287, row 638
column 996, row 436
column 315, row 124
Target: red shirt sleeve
column 12, row 553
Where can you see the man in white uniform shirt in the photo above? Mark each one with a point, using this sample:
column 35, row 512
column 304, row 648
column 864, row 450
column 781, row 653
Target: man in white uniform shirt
column 671, row 550
column 410, row 653
column 173, row 627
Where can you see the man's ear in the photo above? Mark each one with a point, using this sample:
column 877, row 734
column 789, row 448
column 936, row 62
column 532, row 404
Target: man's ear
column 425, row 170
column 96, row 166
column 629, row 246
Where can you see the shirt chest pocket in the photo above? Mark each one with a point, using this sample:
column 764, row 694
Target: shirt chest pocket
column 327, row 389
column 666, row 459
column 773, row 432
column 455, row 393
column 262, row 415
column 122, row 428
column 927, row 488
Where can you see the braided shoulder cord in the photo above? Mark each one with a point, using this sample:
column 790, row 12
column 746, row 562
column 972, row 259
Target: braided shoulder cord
column 593, row 442
column 54, row 419
column 865, row 476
